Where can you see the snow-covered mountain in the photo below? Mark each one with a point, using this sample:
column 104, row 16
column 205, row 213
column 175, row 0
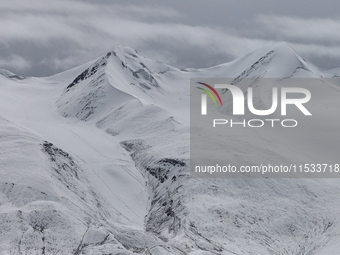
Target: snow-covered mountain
column 10, row 75
column 95, row 160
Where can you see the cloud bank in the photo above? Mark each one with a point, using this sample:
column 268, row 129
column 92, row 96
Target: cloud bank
column 41, row 38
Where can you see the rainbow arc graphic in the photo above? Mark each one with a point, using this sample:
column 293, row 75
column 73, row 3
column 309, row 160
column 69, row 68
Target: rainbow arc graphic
column 208, row 92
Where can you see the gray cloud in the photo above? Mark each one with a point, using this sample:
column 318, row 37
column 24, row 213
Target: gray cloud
column 16, row 62
column 41, row 38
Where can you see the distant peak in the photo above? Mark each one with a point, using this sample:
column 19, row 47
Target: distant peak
column 279, row 47
column 125, row 50
column 287, row 57
column 283, row 45
column 10, row 75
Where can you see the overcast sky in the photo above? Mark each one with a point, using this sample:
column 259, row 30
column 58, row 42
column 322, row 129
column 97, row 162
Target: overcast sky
column 44, row 37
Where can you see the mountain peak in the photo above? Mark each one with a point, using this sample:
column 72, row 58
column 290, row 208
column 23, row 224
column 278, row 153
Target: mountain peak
column 282, row 46
column 276, row 60
column 281, row 60
column 125, row 50
column 11, row 75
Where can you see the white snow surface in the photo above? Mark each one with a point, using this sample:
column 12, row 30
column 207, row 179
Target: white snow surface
column 94, row 160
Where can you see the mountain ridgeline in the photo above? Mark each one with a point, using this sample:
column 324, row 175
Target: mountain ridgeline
column 95, row 160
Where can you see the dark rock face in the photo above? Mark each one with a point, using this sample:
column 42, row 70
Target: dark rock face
column 93, row 69
column 165, row 177
column 145, row 77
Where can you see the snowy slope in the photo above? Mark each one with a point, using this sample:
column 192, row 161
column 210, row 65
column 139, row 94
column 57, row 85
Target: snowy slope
column 10, row 75
column 95, row 161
